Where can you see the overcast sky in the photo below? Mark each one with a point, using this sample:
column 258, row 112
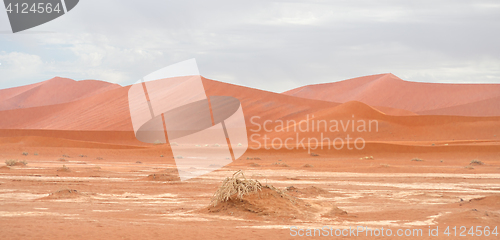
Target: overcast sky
column 271, row 45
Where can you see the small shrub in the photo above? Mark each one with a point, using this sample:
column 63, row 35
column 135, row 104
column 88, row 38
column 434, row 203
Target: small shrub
column 98, row 158
column 308, row 165
column 62, row 160
column 161, row 155
column 81, row 155
column 25, row 153
column 10, row 162
column 314, row 154
column 280, row 164
column 138, row 162
column 36, row 154
column 476, row 162
column 65, row 156
column 236, row 185
column 13, row 162
column 417, row 160
column 469, row 167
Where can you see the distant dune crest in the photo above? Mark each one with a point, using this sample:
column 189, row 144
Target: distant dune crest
column 65, row 104
column 389, row 91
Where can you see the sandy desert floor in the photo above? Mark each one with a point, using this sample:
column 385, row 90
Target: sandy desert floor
column 113, row 194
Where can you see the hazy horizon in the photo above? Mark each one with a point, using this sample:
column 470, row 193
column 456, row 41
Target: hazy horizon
column 275, row 46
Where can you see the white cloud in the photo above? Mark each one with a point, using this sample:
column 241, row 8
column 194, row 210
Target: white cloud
column 272, row 45
column 17, row 67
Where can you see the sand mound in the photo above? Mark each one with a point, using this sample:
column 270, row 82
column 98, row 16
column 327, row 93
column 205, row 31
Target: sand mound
column 472, row 216
column 4, row 168
column 334, row 213
column 64, row 169
column 492, row 201
column 247, row 198
column 266, row 202
column 162, row 177
column 168, row 175
column 63, row 194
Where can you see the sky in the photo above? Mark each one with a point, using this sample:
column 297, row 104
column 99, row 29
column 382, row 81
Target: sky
column 269, row 45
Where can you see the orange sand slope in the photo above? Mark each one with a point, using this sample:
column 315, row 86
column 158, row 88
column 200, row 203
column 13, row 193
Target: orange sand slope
column 387, row 90
column 54, row 91
column 103, row 115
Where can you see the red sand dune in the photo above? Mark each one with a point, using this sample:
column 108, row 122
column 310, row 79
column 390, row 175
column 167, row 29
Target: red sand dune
column 102, row 116
column 387, row 90
column 488, row 107
column 54, row 91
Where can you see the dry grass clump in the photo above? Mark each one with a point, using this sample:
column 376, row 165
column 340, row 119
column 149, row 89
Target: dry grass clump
column 237, row 185
column 417, row 160
column 13, row 162
column 476, row 162
column 280, row 164
column 307, row 165
column 10, row 162
column 314, row 154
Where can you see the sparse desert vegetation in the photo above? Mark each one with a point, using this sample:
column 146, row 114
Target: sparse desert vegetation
column 476, row 162
column 15, row 162
column 280, row 164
